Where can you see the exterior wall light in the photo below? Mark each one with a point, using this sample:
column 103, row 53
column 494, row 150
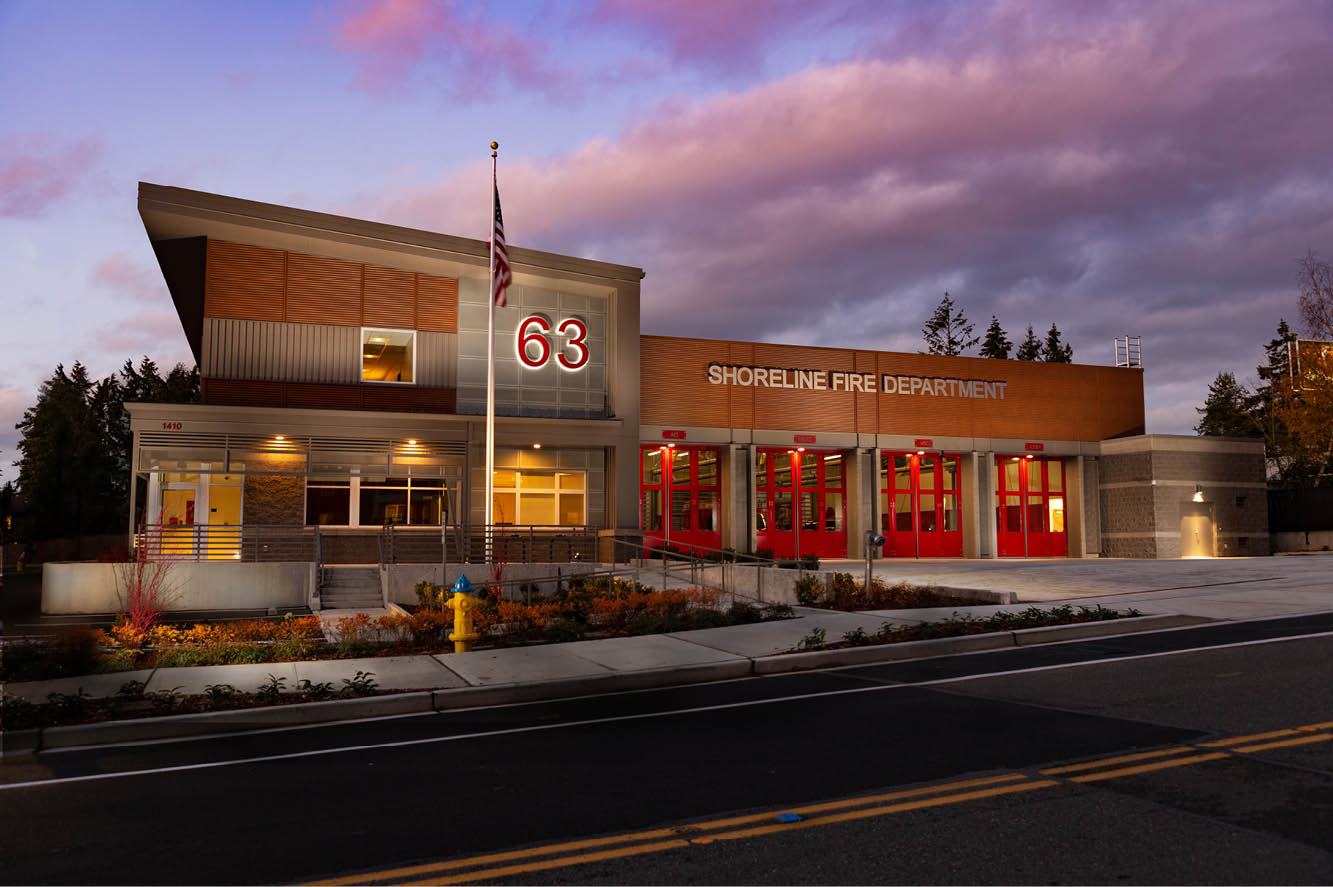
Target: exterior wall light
column 278, row 437
column 536, row 446
column 1198, row 493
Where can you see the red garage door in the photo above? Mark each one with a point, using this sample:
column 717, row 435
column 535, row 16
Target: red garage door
column 1030, row 507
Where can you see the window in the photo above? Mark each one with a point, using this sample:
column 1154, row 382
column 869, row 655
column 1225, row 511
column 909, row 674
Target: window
column 387, row 355
column 401, row 500
column 328, row 502
column 540, row 498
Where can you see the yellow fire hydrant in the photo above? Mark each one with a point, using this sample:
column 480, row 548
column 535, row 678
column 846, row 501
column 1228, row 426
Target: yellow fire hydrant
column 462, row 604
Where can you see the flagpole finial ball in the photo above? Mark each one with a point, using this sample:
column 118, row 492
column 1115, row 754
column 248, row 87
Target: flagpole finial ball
column 494, row 145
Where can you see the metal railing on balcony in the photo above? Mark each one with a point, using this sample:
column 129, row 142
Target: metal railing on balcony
column 511, row 544
column 251, row 543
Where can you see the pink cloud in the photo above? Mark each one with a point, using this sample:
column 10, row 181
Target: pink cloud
column 34, row 173
column 395, row 39
column 129, row 278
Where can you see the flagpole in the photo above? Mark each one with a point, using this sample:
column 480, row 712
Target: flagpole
column 490, row 372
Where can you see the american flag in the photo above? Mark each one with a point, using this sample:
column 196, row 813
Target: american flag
column 502, row 277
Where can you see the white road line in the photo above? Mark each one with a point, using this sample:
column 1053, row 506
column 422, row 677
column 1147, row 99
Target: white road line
column 536, row 728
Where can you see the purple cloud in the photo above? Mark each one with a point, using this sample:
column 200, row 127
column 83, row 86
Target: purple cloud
column 1158, row 175
column 395, row 39
column 35, row 172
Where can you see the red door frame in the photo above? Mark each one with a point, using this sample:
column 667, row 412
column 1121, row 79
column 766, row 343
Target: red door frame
column 811, row 503
column 919, row 532
column 686, row 499
column 1031, row 499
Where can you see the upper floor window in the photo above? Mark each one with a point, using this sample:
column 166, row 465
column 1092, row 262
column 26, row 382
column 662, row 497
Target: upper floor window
column 387, row 355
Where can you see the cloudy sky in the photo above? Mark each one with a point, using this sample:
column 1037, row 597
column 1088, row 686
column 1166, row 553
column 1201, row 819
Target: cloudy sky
column 785, row 170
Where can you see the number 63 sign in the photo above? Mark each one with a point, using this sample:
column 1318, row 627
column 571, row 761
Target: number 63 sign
column 534, row 348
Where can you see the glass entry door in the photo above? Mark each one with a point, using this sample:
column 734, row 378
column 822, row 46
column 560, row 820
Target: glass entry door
column 800, row 503
column 680, row 497
column 1030, row 507
column 919, row 505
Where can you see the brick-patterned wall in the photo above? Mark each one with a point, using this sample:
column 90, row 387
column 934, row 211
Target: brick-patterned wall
column 1041, row 401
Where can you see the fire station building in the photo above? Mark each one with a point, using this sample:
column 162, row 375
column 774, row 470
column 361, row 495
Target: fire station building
column 344, row 369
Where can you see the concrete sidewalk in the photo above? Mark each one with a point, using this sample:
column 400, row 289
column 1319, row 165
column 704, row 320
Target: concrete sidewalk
column 1211, row 590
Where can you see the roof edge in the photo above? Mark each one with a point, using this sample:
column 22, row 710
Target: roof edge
column 167, row 197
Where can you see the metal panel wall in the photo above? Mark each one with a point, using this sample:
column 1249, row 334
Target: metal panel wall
column 280, row 352
column 259, row 350
column 437, row 359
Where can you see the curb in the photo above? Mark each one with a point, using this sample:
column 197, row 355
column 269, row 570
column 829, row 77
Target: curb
column 27, row 743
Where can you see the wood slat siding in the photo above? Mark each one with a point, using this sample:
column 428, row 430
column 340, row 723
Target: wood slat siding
column 280, row 352
column 390, row 299
column 255, row 283
column 1042, row 401
column 244, row 281
column 437, row 304
column 321, row 290
column 311, row 395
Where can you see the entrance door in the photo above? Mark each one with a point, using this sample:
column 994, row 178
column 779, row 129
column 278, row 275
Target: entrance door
column 919, row 505
column 224, row 516
column 1030, row 507
column 680, row 497
column 1197, row 537
column 800, row 503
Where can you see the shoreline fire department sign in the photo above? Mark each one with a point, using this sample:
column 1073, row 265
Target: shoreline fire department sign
column 865, row 383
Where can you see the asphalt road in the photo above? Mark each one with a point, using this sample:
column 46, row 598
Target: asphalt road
column 930, row 771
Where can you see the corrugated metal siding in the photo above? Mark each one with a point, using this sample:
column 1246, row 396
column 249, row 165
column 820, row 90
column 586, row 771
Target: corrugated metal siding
column 280, row 352
column 391, row 298
column 244, row 281
column 322, row 290
column 437, row 303
column 437, row 359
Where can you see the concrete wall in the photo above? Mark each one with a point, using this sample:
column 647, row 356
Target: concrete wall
column 401, row 579
column 71, row 589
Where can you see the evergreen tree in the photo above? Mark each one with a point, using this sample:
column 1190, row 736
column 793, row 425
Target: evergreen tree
column 948, row 331
column 1054, row 352
column 996, row 344
column 74, row 470
column 1226, row 412
column 1029, row 348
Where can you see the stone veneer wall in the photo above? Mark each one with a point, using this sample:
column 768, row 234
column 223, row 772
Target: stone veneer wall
column 271, row 499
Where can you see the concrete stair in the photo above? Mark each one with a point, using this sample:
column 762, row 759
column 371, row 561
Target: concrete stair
column 350, row 588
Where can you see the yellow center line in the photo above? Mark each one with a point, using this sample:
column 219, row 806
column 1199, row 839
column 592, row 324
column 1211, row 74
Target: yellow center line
column 1148, row 768
column 673, row 831
column 1240, row 740
column 654, row 840
column 1121, row 759
column 1300, row 740
column 738, row 834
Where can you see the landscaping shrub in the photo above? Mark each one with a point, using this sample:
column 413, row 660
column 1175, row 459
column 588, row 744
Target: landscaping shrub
column 809, row 591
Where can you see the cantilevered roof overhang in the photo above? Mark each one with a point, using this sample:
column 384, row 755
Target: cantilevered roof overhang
column 180, row 221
